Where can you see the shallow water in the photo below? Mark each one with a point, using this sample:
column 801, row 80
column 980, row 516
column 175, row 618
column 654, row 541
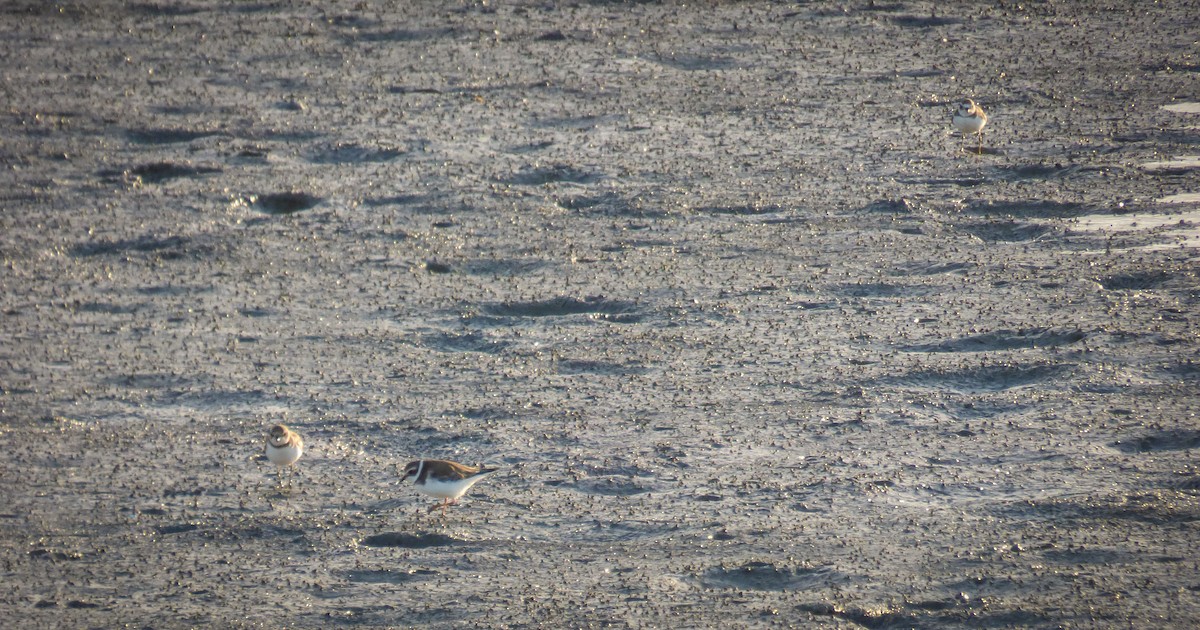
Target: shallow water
column 743, row 357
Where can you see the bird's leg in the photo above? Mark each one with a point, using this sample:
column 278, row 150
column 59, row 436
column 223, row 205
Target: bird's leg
column 980, row 142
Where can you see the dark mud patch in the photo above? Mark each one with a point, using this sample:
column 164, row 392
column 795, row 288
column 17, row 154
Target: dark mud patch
column 1033, row 209
column 254, row 7
column 1156, row 507
column 597, row 306
column 1024, row 172
column 285, row 203
column 1184, row 64
column 628, row 530
column 611, row 486
column 464, row 342
column 932, row 269
column 602, row 201
column 353, row 154
column 433, row 266
column 257, row 312
column 396, row 200
column 645, row 244
column 872, row 618
column 485, row 413
column 551, row 36
column 977, row 380
column 149, row 380
column 883, row 7
column 42, row 553
column 108, row 308
column 1083, row 555
column 769, row 576
column 924, row 21
column 531, row 147
column 503, row 267
column 956, row 611
column 162, row 8
column 153, row 246
column 742, row 210
column 167, row 136
column 266, row 531
column 1008, row 231
column 1004, row 340
column 292, row 105
column 1144, row 280
column 389, row 576
column 179, row 528
column 199, row 394
column 492, row 268
column 159, row 172
column 77, row 604
column 580, row 123
column 610, row 203
column 1186, row 369
column 893, row 206
column 697, row 63
column 1178, row 440
column 410, row 541
column 174, row 289
column 961, row 182
column 882, row 290
column 397, row 35
column 1186, row 481
column 540, row 176
column 600, row 368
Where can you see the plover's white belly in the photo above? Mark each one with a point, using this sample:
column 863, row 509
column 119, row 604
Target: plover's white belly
column 968, row 124
column 283, row 455
column 447, row 489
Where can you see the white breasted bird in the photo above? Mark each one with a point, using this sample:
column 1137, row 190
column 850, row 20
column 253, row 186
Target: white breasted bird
column 970, row 118
column 443, row 479
column 284, row 447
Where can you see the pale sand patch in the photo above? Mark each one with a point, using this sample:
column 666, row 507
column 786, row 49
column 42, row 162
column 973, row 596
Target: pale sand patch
column 1181, row 163
column 1182, row 229
column 1181, row 198
column 1183, row 108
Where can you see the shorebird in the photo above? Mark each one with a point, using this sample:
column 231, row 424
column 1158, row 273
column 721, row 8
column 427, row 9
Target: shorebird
column 970, row 118
column 284, row 447
column 443, row 479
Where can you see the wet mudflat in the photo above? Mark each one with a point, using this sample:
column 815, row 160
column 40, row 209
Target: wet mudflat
column 753, row 336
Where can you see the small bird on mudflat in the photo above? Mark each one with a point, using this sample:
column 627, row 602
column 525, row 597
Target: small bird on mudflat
column 284, row 447
column 970, row 118
column 443, row 479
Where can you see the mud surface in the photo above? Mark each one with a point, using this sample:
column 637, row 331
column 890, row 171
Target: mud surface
column 753, row 337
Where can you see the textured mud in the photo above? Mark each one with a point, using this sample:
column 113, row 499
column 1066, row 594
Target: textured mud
column 754, row 339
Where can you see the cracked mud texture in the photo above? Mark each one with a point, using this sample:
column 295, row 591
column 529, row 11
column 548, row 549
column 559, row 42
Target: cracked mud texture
column 755, row 340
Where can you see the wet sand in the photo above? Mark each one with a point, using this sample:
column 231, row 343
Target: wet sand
column 754, row 338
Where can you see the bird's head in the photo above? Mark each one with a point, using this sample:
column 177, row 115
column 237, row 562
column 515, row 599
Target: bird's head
column 410, row 470
column 278, row 435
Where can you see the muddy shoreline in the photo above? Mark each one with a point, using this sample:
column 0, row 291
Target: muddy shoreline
column 752, row 337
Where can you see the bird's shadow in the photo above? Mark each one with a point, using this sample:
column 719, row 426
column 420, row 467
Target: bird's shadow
column 405, row 540
column 386, row 505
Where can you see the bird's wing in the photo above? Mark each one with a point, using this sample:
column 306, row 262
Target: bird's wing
column 461, row 471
